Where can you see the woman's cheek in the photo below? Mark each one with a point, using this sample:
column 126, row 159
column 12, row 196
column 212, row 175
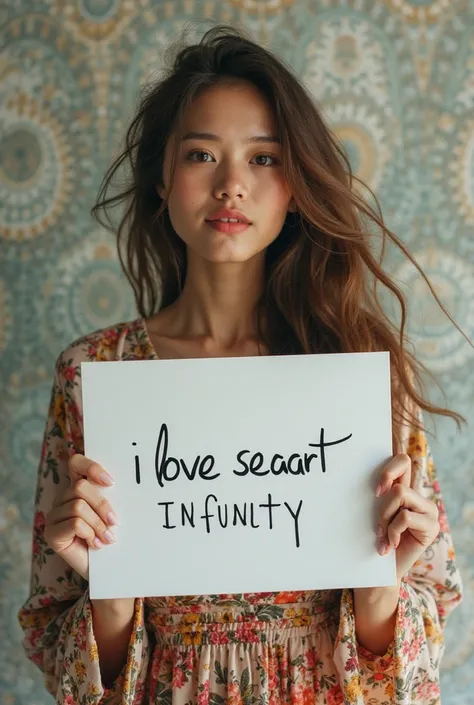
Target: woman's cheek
column 279, row 187
column 191, row 187
column 279, row 197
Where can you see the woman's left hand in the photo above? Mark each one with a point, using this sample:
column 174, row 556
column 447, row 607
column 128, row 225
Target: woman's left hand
column 407, row 521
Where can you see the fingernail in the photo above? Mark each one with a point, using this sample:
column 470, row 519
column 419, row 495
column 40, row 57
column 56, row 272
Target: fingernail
column 106, row 479
column 378, row 491
column 97, row 543
column 112, row 518
column 382, row 547
column 380, row 531
column 109, row 536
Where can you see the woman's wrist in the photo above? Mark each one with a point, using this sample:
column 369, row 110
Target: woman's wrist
column 378, row 595
column 121, row 607
column 375, row 611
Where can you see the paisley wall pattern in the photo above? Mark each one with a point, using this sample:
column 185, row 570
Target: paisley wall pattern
column 395, row 79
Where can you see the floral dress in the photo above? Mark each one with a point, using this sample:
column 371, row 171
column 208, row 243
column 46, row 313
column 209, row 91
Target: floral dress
column 244, row 649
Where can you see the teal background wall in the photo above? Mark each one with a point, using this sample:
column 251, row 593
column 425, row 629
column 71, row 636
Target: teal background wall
column 396, row 81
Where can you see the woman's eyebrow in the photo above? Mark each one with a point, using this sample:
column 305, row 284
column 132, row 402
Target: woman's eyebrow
column 216, row 138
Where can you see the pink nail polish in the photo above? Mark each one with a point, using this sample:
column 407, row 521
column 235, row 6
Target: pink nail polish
column 106, row 479
column 109, row 536
column 112, row 518
column 378, row 491
column 97, row 543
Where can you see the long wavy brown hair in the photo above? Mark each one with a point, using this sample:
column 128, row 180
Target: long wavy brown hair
column 324, row 270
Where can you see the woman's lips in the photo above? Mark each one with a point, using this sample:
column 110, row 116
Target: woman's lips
column 229, row 228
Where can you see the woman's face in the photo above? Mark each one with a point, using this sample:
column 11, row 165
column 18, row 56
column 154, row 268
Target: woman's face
column 228, row 157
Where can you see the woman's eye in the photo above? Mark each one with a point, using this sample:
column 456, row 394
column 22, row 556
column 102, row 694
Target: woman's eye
column 274, row 160
column 199, row 153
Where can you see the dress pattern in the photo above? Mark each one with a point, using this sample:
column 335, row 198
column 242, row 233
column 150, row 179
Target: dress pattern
column 242, row 649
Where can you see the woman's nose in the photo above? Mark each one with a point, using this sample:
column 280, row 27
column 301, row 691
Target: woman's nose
column 231, row 185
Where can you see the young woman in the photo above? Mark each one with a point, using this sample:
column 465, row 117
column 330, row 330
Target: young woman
column 242, row 235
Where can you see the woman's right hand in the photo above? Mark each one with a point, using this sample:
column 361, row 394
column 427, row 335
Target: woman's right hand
column 81, row 517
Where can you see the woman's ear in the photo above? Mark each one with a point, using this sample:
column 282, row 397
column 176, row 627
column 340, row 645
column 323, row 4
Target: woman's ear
column 292, row 207
column 161, row 191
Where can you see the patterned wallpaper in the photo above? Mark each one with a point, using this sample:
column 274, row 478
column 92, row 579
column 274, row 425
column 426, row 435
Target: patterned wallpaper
column 396, row 81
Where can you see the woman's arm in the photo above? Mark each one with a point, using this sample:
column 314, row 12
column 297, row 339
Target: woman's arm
column 408, row 669
column 408, row 524
column 375, row 617
column 57, row 618
column 113, row 625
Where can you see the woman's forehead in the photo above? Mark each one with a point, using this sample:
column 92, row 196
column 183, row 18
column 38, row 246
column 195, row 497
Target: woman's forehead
column 226, row 106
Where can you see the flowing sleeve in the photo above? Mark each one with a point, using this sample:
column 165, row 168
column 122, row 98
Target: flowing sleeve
column 56, row 619
column 408, row 673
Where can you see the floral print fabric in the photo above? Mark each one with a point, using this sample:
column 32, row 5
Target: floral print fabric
column 251, row 649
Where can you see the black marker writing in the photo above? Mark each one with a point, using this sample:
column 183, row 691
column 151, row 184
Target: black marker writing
column 166, row 525
column 206, row 514
column 270, row 506
column 240, row 515
column 323, row 445
column 185, row 513
column 137, row 467
column 168, row 468
column 295, row 464
column 237, row 513
column 295, row 517
column 222, row 523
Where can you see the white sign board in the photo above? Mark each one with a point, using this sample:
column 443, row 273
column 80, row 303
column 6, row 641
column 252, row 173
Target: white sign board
column 235, row 475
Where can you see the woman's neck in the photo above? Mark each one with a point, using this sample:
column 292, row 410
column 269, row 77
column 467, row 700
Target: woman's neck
column 216, row 310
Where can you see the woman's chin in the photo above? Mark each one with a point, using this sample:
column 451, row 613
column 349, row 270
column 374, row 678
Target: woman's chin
column 226, row 253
